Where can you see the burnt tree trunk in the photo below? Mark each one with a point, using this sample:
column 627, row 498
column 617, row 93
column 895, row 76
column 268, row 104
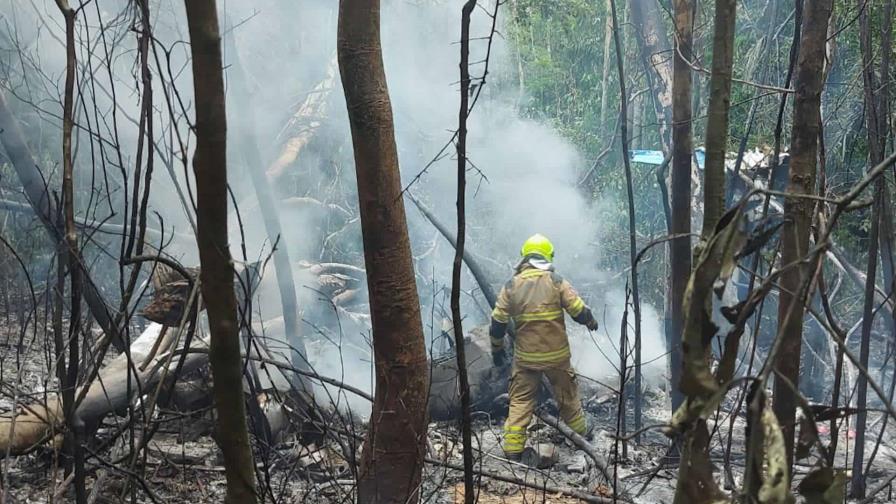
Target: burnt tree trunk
column 462, row 380
column 682, row 150
column 798, row 211
column 68, row 379
column 216, row 274
column 393, row 455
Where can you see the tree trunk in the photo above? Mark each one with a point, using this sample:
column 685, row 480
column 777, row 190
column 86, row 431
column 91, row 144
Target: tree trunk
column 479, row 274
column 456, row 318
column 798, row 211
column 393, row 455
column 633, row 250
column 216, row 273
column 682, row 150
column 886, row 236
column 270, row 214
column 717, row 122
column 879, row 236
column 67, row 372
column 605, row 72
column 857, row 489
column 653, row 44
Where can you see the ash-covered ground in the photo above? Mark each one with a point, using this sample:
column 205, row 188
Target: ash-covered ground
column 181, row 462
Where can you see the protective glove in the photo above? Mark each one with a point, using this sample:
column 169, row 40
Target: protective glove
column 499, row 358
column 592, row 324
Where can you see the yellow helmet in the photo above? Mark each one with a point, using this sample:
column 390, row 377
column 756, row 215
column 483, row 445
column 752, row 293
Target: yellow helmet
column 538, row 244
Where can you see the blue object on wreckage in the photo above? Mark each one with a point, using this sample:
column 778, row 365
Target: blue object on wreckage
column 655, row 157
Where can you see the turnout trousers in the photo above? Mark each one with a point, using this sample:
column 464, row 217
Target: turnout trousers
column 524, row 385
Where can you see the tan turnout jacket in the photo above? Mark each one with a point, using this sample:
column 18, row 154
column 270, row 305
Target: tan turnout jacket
column 535, row 299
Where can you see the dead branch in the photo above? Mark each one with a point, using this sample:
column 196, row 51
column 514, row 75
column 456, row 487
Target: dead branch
column 311, row 111
column 580, row 442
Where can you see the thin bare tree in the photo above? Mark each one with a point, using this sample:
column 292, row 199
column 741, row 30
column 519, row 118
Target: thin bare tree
column 798, row 211
column 456, row 317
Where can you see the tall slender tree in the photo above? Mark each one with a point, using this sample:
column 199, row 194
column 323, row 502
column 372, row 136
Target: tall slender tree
column 881, row 232
column 456, row 318
column 798, row 211
column 216, row 273
column 717, row 120
column 392, row 459
column 682, row 150
column 653, row 46
column 68, row 379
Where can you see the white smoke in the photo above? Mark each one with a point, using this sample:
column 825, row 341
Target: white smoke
column 531, row 170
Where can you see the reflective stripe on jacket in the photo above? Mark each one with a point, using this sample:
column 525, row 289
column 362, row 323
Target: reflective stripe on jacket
column 535, row 300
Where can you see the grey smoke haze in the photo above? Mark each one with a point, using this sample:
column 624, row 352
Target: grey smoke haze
column 284, row 49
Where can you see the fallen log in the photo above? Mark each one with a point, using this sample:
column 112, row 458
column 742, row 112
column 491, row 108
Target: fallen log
column 32, row 425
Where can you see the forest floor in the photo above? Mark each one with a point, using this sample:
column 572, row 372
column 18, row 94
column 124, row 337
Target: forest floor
column 182, row 463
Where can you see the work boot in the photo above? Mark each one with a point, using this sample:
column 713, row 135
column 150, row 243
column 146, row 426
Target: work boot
column 589, row 432
column 513, row 457
column 541, row 456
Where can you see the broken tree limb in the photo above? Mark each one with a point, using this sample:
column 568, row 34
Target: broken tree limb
column 857, row 277
column 102, row 227
column 35, row 187
column 478, row 273
column 570, row 492
column 315, row 205
column 311, row 111
column 599, row 461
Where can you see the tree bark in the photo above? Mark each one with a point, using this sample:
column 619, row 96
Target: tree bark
column 462, row 380
column 798, row 211
column 653, row 44
column 682, row 150
column 216, row 273
column 605, row 72
column 68, row 379
column 633, row 247
column 881, row 232
column 717, row 122
column 393, row 455
column 886, row 236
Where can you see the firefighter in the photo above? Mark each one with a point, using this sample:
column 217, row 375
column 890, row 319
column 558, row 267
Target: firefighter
column 535, row 299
